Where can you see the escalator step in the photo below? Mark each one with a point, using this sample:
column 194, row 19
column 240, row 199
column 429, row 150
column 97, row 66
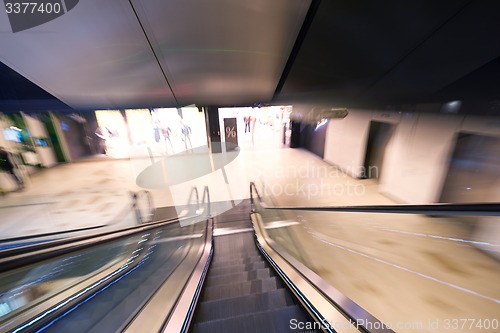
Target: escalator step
column 241, row 251
column 273, row 321
column 226, row 308
column 223, row 254
column 234, row 243
column 230, row 223
column 229, row 260
column 242, row 215
column 241, row 289
column 257, row 274
column 216, row 263
column 234, row 248
column 215, row 271
column 238, row 213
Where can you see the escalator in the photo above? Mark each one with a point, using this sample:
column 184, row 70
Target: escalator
column 112, row 307
column 212, row 269
column 99, row 284
column 135, row 280
column 241, row 290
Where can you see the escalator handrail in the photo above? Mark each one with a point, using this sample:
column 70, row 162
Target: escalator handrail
column 115, row 220
column 204, row 200
column 194, row 190
column 90, row 241
column 475, row 209
column 135, row 205
column 345, row 305
column 206, row 196
column 23, row 256
column 253, row 188
column 297, row 271
column 57, row 242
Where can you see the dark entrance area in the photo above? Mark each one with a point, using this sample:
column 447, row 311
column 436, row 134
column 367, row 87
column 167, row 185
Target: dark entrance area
column 474, row 170
column 73, row 129
column 378, row 138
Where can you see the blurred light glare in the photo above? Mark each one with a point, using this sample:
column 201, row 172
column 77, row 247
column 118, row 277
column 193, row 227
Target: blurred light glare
column 451, row 107
column 320, row 124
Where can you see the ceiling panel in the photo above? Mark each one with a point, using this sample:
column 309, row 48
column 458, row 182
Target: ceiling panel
column 222, row 52
column 141, row 53
column 94, row 56
column 351, row 45
column 465, row 43
column 480, row 84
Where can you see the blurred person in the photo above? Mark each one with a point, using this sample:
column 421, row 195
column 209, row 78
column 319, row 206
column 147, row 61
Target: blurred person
column 186, row 134
column 103, row 134
column 247, row 121
column 7, row 165
column 252, row 122
column 156, row 124
column 165, row 131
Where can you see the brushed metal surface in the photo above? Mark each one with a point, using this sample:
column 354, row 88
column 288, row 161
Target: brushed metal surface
column 222, row 51
column 318, row 305
column 126, row 54
column 94, row 56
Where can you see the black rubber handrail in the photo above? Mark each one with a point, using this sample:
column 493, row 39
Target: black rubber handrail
column 135, row 205
column 194, row 190
column 62, row 241
column 34, row 238
column 347, row 306
column 73, row 245
column 115, row 220
column 25, row 255
column 475, row 209
column 482, row 209
column 206, row 197
column 20, row 257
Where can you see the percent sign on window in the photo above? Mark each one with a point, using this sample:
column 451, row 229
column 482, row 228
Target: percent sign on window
column 231, row 133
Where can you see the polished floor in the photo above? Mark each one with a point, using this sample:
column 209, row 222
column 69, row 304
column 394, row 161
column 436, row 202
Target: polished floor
column 96, row 192
column 410, row 271
column 406, row 270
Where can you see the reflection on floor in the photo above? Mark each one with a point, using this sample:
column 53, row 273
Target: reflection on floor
column 70, row 196
column 409, row 271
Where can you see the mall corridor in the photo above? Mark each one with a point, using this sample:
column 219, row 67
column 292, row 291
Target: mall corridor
column 250, row 166
column 439, row 253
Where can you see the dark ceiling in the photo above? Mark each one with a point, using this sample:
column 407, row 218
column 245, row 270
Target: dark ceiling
column 379, row 53
column 19, row 94
column 364, row 53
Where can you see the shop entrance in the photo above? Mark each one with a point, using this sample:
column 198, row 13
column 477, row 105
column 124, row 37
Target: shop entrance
column 255, row 128
column 474, row 170
column 150, row 132
column 378, row 137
